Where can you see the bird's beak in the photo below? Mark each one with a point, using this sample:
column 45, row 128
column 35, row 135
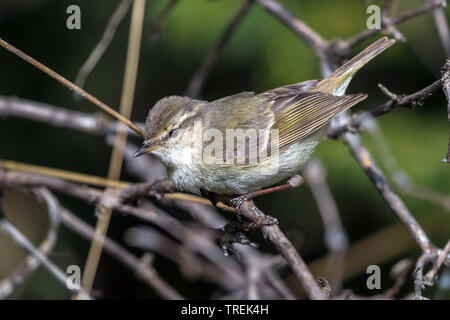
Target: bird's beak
column 145, row 148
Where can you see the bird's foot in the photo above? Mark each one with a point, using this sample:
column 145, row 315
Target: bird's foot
column 233, row 233
column 211, row 196
column 236, row 202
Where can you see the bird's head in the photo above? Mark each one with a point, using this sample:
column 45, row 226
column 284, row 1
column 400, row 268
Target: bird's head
column 169, row 124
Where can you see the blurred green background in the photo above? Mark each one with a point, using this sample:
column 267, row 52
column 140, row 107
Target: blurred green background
column 261, row 55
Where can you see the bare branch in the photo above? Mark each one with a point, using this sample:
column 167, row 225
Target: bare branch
column 313, row 39
column 273, row 233
column 362, row 155
column 335, row 235
column 40, row 254
column 147, row 273
column 400, row 177
column 425, row 8
column 443, row 256
column 396, row 100
column 95, row 124
column 30, row 264
column 442, row 27
column 104, row 210
column 104, row 42
column 71, row 86
column 198, row 80
column 446, row 89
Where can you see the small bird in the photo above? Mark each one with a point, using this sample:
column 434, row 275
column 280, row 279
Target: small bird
column 289, row 123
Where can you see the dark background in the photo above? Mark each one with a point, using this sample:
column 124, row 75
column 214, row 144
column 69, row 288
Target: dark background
column 262, row 55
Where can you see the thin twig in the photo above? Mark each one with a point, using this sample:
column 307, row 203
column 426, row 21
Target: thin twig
column 335, row 235
column 191, row 264
column 446, row 89
column 40, row 254
column 395, row 100
column 146, row 212
column 388, row 9
column 95, row 124
column 198, row 80
column 147, row 273
column 274, row 234
column 442, row 28
column 156, row 24
column 23, row 241
column 425, row 8
column 104, row 42
column 443, row 256
column 313, row 39
column 400, row 177
column 30, row 264
column 46, row 176
column 424, row 260
column 209, row 217
column 115, row 166
column 72, row 86
column 363, row 157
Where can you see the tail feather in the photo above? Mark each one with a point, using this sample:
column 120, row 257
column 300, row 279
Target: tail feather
column 337, row 82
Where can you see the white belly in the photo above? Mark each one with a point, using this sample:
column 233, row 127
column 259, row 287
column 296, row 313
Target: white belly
column 244, row 179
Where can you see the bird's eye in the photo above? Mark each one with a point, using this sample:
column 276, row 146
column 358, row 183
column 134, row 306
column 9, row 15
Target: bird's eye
column 173, row 133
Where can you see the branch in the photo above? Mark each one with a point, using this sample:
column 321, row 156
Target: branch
column 446, row 89
column 103, row 210
column 396, row 100
column 207, row 216
column 30, row 264
column 145, row 272
column 191, row 264
column 442, row 27
column 156, row 24
column 71, row 86
column 400, row 177
column 335, row 235
column 442, row 258
column 146, row 212
column 363, row 35
column 104, row 42
column 363, row 157
column 40, row 254
column 313, row 39
column 95, row 124
column 274, row 234
column 196, row 84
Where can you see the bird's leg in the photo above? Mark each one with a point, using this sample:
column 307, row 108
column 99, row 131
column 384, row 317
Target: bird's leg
column 293, row 182
column 211, row 196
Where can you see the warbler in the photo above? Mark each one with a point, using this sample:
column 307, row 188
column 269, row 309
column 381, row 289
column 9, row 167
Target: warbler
column 289, row 123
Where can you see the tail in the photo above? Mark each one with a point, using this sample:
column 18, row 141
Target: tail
column 337, row 82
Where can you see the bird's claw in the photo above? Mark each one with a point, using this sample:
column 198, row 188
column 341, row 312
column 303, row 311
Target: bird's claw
column 237, row 202
column 233, row 233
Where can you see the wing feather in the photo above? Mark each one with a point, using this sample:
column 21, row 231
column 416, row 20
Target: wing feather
column 296, row 111
column 307, row 112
